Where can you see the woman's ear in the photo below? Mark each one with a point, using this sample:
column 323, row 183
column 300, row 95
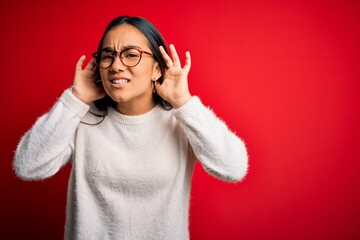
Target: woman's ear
column 156, row 72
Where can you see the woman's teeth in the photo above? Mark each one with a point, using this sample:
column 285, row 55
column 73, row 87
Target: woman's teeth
column 120, row 81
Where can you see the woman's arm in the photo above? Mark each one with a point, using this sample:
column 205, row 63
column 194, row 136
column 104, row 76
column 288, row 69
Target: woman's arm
column 48, row 145
column 219, row 150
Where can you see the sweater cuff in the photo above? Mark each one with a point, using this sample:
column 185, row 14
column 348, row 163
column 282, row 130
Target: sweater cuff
column 191, row 108
column 74, row 104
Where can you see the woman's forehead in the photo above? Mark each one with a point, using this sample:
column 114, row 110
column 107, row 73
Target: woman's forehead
column 125, row 35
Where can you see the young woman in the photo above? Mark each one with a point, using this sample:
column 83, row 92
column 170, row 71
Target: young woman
column 132, row 132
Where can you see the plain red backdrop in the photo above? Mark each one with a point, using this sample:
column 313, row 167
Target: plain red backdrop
column 284, row 75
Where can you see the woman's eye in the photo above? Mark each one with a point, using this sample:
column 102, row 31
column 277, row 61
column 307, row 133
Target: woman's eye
column 107, row 57
column 131, row 55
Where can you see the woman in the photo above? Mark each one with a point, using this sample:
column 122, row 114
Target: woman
column 132, row 138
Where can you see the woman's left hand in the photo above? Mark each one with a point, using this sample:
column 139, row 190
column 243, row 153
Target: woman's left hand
column 174, row 87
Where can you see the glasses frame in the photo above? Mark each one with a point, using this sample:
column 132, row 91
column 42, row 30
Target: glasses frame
column 114, row 53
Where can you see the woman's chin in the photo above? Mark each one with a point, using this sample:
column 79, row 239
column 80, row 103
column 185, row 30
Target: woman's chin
column 119, row 99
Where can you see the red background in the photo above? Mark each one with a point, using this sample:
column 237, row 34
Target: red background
column 283, row 74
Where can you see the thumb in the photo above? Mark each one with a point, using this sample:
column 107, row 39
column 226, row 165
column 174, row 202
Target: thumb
column 80, row 62
column 157, row 86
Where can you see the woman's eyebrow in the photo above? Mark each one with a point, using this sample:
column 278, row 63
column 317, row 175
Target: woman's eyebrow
column 131, row 46
column 107, row 49
column 110, row 49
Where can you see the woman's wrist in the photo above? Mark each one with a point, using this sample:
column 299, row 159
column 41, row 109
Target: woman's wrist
column 77, row 92
column 178, row 102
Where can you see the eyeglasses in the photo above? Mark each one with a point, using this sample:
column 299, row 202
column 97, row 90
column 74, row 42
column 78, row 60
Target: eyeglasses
column 130, row 57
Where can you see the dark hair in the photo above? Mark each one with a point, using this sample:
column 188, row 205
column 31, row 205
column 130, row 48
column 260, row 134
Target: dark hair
column 155, row 40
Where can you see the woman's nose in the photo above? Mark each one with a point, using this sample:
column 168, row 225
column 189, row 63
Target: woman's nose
column 117, row 65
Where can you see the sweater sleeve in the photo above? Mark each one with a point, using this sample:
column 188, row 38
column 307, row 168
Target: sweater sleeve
column 48, row 145
column 219, row 150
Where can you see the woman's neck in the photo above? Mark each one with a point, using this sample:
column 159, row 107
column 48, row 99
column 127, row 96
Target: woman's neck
column 135, row 108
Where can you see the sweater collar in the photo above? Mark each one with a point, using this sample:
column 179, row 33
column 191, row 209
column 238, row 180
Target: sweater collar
column 155, row 112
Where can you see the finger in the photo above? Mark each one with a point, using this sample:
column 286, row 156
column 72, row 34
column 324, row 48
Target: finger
column 90, row 65
column 175, row 56
column 80, row 62
column 187, row 65
column 187, row 62
column 168, row 61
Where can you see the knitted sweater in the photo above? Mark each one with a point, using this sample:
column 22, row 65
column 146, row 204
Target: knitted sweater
column 131, row 175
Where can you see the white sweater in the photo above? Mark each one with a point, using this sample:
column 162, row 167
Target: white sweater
column 130, row 175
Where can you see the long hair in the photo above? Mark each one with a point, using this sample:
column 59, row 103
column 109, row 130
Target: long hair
column 155, row 41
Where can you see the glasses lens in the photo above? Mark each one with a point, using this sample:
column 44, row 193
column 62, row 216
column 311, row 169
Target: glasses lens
column 130, row 57
column 106, row 59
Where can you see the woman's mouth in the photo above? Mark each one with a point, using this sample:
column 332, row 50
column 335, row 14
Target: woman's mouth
column 120, row 81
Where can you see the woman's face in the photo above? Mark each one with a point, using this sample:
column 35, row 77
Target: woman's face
column 130, row 87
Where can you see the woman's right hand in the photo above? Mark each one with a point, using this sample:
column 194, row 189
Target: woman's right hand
column 84, row 86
